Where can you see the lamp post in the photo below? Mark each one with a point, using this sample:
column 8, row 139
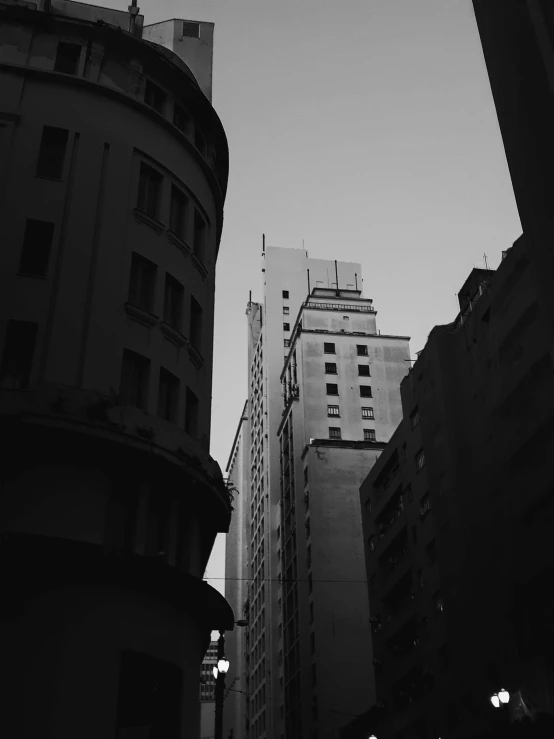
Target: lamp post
column 219, row 673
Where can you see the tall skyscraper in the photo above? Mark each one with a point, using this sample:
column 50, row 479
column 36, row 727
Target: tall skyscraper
column 114, row 170
column 306, row 301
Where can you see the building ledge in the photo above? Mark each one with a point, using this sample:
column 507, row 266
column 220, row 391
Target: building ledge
column 179, row 243
column 143, row 217
column 173, row 334
column 199, row 266
column 32, row 562
column 141, row 315
column 196, row 358
column 344, row 444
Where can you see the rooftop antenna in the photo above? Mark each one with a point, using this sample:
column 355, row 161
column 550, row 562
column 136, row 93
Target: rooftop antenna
column 250, row 297
column 337, row 275
column 263, row 243
column 309, row 291
column 486, row 263
column 356, row 279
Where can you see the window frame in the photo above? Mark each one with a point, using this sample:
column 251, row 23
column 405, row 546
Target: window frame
column 58, row 61
column 327, row 344
column 150, row 188
column 364, row 393
column 368, row 413
column 331, row 414
column 331, row 368
column 335, row 432
column 364, row 370
column 369, row 435
column 362, row 350
column 331, row 385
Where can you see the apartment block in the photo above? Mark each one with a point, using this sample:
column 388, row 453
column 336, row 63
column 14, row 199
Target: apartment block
column 457, row 516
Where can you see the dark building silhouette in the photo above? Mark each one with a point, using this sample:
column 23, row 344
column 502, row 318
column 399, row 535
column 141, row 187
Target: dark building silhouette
column 458, row 514
column 113, row 170
column 518, row 45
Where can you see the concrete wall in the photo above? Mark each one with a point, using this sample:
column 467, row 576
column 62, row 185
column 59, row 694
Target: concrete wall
column 343, row 657
column 61, row 659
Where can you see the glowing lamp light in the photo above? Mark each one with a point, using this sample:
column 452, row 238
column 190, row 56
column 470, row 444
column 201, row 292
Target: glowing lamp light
column 504, row 696
column 223, row 666
column 372, row 736
column 215, row 672
column 495, row 700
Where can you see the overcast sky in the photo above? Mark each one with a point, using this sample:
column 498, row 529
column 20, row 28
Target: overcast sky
column 365, row 128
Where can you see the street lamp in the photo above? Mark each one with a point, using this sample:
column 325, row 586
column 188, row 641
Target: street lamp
column 500, row 698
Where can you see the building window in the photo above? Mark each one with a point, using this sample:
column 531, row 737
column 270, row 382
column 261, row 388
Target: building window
column 287, row 342
column 67, row 58
column 369, row 435
column 181, row 119
column 191, row 29
column 177, row 212
column 363, row 370
column 333, row 410
column 334, row 432
column 368, row 413
column 425, row 506
column 328, row 348
column 285, row 294
column 154, row 96
column 168, row 395
column 149, row 697
column 414, row 418
column 199, row 236
column 420, row 459
column 286, row 326
column 361, row 350
column 37, row 243
column 135, row 375
column 332, row 389
column 330, row 368
column 195, row 333
column 51, row 154
column 191, row 413
column 142, row 282
column 365, row 391
column 149, row 192
column 17, row 357
column 173, row 301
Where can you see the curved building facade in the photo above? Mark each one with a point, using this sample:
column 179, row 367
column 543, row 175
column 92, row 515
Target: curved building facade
column 113, row 173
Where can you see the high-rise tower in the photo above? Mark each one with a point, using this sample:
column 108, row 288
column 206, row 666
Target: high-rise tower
column 305, row 300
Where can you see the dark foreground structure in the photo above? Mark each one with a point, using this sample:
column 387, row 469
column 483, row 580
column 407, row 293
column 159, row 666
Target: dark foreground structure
column 113, row 176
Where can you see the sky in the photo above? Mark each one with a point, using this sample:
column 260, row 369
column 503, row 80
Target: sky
column 366, row 130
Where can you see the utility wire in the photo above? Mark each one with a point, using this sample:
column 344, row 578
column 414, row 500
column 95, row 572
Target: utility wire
column 284, row 579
